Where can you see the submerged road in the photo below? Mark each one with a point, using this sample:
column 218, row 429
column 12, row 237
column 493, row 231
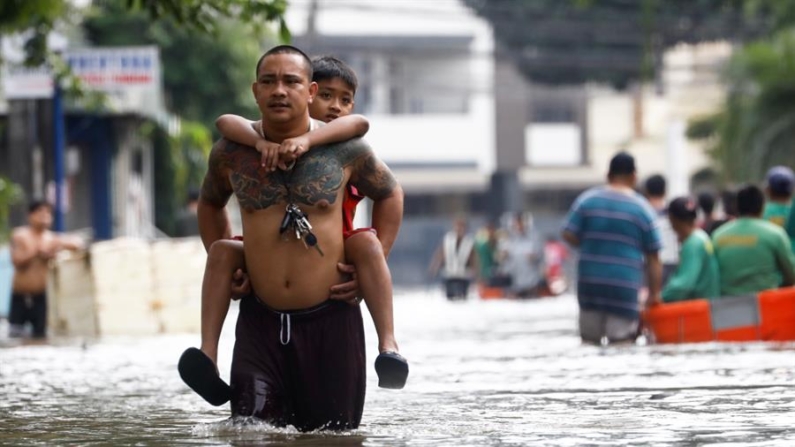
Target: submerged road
column 483, row 373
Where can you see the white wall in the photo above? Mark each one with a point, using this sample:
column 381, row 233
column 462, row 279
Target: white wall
column 425, row 138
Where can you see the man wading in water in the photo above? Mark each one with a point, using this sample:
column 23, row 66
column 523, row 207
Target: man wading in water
column 299, row 358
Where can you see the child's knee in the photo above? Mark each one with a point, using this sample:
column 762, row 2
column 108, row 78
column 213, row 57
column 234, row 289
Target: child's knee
column 225, row 253
column 363, row 245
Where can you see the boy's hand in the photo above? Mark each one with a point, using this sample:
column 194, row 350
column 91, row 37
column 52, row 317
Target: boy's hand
column 292, row 148
column 270, row 154
column 240, row 284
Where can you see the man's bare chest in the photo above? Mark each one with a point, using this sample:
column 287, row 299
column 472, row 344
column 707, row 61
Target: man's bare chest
column 315, row 180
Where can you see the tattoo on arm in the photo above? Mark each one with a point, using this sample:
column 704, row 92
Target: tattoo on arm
column 216, row 188
column 370, row 175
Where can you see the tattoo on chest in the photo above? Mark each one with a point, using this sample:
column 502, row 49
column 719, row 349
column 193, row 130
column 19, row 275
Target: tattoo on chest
column 316, row 178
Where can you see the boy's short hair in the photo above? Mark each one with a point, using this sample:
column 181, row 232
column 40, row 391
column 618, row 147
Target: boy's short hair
column 37, row 205
column 655, row 186
column 750, row 201
column 329, row 67
column 684, row 209
column 706, row 201
column 286, row 49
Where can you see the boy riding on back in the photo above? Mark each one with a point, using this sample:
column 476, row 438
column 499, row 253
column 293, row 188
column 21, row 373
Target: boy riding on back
column 226, row 263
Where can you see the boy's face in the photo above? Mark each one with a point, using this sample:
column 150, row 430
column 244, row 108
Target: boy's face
column 334, row 99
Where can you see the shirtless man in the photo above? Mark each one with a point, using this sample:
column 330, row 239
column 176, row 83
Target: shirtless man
column 32, row 247
column 299, row 357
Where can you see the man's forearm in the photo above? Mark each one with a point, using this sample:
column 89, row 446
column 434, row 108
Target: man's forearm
column 214, row 224
column 654, row 272
column 387, row 217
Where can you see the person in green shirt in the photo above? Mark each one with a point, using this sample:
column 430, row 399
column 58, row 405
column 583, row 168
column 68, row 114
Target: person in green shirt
column 790, row 226
column 780, row 182
column 697, row 275
column 753, row 254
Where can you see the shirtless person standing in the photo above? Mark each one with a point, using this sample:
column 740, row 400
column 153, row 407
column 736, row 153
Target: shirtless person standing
column 299, row 358
column 32, row 247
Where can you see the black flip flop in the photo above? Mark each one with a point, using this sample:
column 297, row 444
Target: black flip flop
column 392, row 370
column 198, row 371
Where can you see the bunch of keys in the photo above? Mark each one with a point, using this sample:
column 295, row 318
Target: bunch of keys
column 297, row 219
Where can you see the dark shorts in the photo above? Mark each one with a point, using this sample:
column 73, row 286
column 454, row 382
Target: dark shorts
column 456, row 288
column 28, row 308
column 303, row 368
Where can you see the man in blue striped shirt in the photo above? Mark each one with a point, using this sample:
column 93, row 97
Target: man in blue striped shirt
column 614, row 228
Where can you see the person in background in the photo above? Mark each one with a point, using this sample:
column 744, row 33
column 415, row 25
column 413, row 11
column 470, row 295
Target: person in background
column 780, row 181
column 523, row 259
column 487, row 241
column 655, row 189
column 752, row 253
column 706, row 202
column 555, row 254
column 456, row 258
column 614, row 229
column 187, row 222
column 32, row 248
column 728, row 199
column 697, row 275
column 790, row 226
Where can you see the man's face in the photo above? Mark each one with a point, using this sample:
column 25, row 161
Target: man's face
column 41, row 218
column 282, row 89
column 334, row 99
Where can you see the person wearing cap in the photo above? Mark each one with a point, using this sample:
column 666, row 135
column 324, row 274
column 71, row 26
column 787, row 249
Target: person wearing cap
column 753, row 254
column 614, row 228
column 697, row 275
column 780, row 182
column 790, row 226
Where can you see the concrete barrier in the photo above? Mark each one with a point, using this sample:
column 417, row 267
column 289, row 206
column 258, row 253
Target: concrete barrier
column 127, row 287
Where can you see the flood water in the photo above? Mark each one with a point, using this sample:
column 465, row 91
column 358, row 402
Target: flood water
column 483, row 373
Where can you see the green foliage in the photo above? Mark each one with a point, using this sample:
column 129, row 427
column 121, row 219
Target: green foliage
column 10, row 194
column 756, row 127
column 38, row 17
column 203, row 15
column 204, row 75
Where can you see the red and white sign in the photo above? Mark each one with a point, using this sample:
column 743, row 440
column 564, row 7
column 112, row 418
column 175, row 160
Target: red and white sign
column 111, row 69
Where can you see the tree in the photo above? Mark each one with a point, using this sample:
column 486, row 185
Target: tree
column 37, row 18
column 756, row 127
column 10, row 194
column 204, row 74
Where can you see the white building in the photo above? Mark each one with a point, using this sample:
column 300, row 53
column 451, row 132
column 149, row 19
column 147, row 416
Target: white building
column 465, row 133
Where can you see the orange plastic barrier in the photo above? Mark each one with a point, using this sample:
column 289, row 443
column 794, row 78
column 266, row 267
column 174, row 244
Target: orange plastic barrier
column 777, row 308
column 682, row 322
column 490, row 293
column 769, row 316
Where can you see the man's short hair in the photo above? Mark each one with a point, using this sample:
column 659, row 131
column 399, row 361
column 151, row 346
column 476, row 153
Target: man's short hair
column 706, row 201
column 621, row 164
column 655, row 186
column 37, row 205
column 750, row 201
column 329, row 67
column 780, row 181
column 729, row 199
column 684, row 209
column 286, row 49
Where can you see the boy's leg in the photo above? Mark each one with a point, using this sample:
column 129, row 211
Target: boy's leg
column 364, row 251
column 198, row 368
column 223, row 259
